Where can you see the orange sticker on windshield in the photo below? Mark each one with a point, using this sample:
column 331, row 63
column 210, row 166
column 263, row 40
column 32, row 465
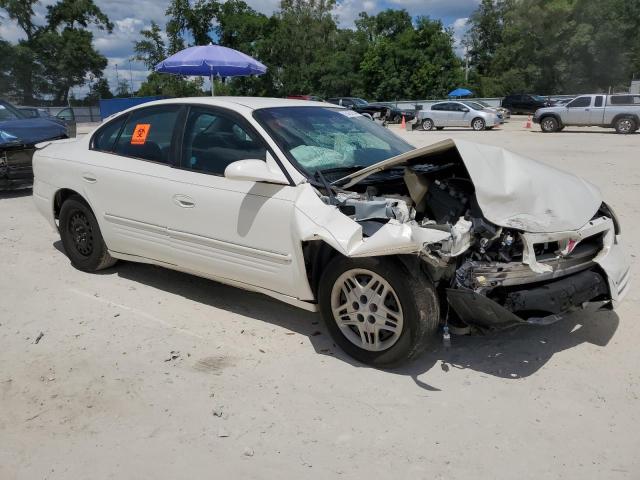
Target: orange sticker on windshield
column 140, row 133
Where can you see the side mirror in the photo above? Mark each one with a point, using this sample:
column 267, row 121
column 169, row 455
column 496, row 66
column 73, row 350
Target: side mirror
column 254, row 171
column 465, row 109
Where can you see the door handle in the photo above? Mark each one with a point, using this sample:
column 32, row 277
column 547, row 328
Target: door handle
column 587, row 109
column 89, row 177
column 184, row 201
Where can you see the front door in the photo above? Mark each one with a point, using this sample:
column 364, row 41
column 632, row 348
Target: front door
column 236, row 230
column 579, row 111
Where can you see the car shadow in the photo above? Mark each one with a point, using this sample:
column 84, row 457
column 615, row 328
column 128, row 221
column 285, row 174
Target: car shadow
column 511, row 354
column 518, row 352
column 15, row 193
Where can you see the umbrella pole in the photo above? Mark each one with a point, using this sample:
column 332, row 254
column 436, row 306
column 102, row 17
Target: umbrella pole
column 212, row 84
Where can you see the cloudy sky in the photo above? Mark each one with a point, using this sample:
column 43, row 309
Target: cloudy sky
column 129, row 17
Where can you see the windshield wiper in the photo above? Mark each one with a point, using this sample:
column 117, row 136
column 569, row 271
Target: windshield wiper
column 342, row 169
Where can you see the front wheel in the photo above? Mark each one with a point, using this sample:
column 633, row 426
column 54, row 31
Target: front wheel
column 81, row 237
column 375, row 312
column 625, row 125
column 478, row 124
column 549, row 125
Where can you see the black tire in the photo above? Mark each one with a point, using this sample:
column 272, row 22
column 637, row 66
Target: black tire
column 418, row 306
column 625, row 125
column 427, row 124
column 549, row 124
column 439, row 128
column 478, row 124
column 81, row 237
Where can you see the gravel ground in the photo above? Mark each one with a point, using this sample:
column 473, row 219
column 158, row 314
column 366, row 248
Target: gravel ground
column 140, row 372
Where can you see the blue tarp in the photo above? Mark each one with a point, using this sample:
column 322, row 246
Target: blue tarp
column 115, row 105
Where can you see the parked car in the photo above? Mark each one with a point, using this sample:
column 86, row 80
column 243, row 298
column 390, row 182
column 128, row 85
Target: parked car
column 306, row 97
column 393, row 113
column 323, row 209
column 501, row 110
column 525, row 103
column 18, row 135
column 458, row 114
column 621, row 112
column 360, row 105
column 65, row 117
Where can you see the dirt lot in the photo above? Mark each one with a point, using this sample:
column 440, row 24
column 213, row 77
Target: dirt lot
column 142, row 372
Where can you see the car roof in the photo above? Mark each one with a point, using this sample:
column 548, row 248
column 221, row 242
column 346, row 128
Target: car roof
column 252, row 103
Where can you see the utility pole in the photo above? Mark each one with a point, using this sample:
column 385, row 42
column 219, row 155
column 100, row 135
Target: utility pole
column 130, row 77
column 117, row 79
column 466, row 64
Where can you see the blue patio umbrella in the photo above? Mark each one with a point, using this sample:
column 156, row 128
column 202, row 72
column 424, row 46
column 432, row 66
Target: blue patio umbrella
column 211, row 61
column 460, row 92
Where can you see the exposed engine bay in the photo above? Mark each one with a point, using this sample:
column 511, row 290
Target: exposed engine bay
column 494, row 275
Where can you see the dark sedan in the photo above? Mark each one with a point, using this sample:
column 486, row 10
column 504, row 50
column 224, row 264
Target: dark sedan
column 18, row 137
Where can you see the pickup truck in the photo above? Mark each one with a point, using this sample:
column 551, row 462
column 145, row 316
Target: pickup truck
column 621, row 112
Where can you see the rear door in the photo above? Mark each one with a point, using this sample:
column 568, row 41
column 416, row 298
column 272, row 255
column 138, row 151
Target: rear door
column 438, row 114
column 127, row 180
column 579, row 111
column 597, row 111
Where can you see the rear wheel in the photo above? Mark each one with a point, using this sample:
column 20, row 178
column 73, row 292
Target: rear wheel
column 625, row 125
column 81, row 237
column 549, row 125
column 377, row 313
column 427, row 124
column 478, row 124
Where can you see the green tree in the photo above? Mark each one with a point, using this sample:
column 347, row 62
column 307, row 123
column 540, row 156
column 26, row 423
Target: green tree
column 407, row 61
column 58, row 55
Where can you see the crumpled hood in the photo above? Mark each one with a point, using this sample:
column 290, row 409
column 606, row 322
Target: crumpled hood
column 30, row 131
column 512, row 191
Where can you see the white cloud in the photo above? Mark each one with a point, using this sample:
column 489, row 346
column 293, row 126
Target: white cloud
column 436, row 8
column 347, row 11
column 460, row 28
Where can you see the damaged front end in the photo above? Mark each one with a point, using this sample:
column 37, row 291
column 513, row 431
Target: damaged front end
column 499, row 254
column 15, row 166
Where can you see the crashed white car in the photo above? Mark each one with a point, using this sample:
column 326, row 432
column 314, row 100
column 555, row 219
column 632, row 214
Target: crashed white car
column 321, row 208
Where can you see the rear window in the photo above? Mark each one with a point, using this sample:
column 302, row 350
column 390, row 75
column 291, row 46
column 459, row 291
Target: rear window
column 624, row 100
column 104, row 138
column 148, row 133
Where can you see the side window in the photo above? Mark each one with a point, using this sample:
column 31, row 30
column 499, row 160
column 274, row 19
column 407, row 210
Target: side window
column 437, row 107
column 599, row 101
column 213, row 140
column 580, row 102
column 104, row 138
column 67, row 115
column 624, row 100
column 148, row 133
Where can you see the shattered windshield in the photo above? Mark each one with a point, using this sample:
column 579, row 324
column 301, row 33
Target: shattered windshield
column 329, row 139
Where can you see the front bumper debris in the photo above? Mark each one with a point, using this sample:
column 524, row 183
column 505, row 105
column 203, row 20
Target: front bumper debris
column 541, row 305
column 15, row 167
column 591, row 268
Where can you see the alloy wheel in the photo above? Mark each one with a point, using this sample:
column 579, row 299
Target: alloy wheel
column 367, row 310
column 625, row 125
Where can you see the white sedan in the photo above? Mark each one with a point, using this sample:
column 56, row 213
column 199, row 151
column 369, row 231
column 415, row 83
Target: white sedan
column 321, row 208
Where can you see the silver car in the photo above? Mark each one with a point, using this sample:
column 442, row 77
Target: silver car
column 459, row 114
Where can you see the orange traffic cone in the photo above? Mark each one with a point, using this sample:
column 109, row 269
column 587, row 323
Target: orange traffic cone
column 528, row 124
column 403, row 124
